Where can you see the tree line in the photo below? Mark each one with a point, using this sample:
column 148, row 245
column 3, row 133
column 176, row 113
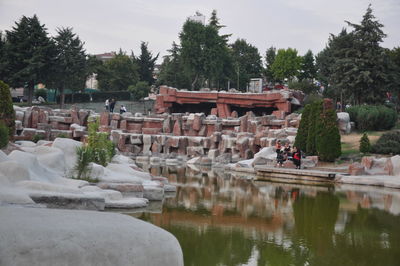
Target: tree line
column 29, row 56
column 353, row 65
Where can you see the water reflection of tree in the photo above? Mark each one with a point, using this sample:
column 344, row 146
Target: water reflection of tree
column 315, row 219
column 212, row 246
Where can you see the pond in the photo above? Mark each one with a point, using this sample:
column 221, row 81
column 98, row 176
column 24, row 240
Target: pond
column 223, row 219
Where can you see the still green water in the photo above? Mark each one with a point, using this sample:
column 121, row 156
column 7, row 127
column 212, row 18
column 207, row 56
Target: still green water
column 220, row 219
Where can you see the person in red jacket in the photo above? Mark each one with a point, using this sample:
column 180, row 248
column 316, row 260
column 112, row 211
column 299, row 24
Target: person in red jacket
column 297, row 157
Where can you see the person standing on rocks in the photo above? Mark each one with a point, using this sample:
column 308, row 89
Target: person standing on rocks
column 107, row 104
column 297, row 157
column 112, row 105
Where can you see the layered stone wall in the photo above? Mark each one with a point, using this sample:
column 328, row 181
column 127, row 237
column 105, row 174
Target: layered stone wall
column 167, row 135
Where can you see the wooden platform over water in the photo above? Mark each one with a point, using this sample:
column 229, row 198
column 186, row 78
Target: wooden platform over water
column 286, row 175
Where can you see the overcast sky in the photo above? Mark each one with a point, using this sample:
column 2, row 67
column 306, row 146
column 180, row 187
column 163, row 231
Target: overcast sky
column 106, row 25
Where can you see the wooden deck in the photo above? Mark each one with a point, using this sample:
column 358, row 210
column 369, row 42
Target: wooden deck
column 300, row 176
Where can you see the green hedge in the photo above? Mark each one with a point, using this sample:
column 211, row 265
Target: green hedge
column 388, row 143
column 372, row 117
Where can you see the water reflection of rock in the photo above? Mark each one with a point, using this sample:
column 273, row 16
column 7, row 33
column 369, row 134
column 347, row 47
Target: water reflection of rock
column 215, row 214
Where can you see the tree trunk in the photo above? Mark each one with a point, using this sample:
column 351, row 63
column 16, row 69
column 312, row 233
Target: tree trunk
column 30, row 88
column 194, row 81
column 62, row 97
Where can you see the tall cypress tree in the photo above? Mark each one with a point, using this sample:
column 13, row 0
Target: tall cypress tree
column 30, row 54
column 316, row 110
column 302, row 133
column 7, row 114
column 327, row 139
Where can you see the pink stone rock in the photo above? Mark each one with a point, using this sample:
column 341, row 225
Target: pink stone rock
column 114, row 124
column 367, row 161
column 83, row 117
column 234, row 114
column 104, row 118
column 177, row 131
column 35, row 119
column 356, row 169
column 151, row 131
column 75, row 116
column 196, row 122
column 123, row 124
column 214, row 111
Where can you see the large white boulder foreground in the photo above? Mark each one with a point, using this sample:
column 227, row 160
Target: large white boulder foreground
column 38, row 236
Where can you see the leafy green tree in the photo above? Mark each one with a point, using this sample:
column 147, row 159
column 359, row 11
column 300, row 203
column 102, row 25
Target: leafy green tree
column 118, row 73
column 70, row 62
column 365, row 145
column 270, row 55
column 246, row 63
column 140, row 90
column 30, row 54
column 7, row 114
column 286, row 65
column 145, row 62
column 307, row 68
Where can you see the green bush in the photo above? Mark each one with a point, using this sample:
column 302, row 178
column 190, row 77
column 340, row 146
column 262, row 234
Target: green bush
column 140, row 90
column 388, row 143
column 103, row 148
column 99, row 150
column 37, row 137
column 365, row 145
column 3, row 135
column 7, row 114
column 85, row 155
column 372, row 117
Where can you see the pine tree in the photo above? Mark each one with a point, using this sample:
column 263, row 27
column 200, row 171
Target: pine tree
column 302, row 133
column 7, row 113
column 70, row 62
column 365, row 145
column 146, row 62
column 307, row 67
column 270, row 55
column 30, row 55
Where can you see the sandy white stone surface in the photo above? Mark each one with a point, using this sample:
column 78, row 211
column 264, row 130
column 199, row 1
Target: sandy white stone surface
column 39, row 236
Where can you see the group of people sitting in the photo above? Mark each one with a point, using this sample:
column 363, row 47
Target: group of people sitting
column 284, row 152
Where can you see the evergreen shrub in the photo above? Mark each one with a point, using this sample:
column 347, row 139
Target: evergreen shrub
column 328, row 137
column 302, row 133
column 372, row 117
column 365, row 145
column 388, row 143
column 3, row 135
column 7, row 113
